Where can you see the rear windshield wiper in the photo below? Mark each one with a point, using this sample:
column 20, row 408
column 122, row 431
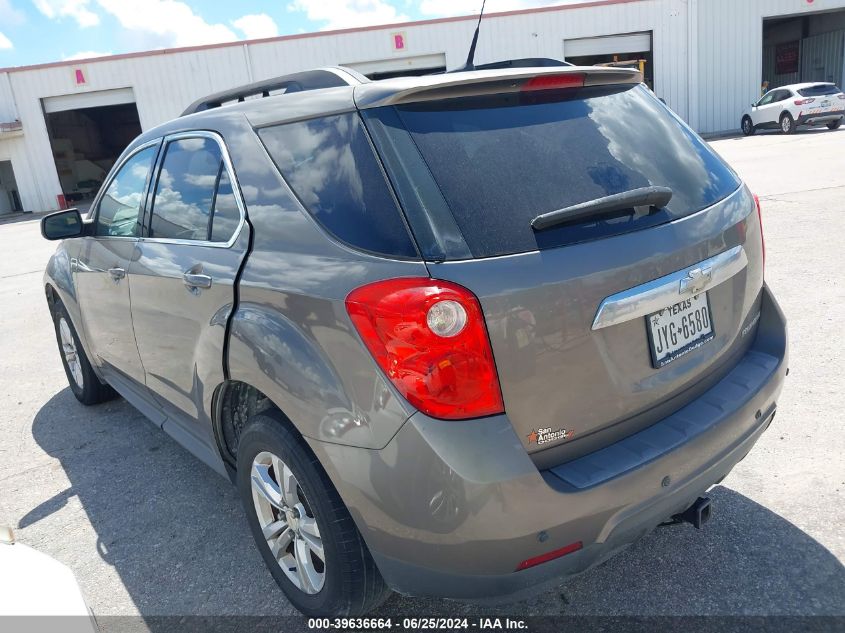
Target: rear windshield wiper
column 657, row 197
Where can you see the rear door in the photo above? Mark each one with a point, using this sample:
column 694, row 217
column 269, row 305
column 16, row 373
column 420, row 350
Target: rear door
column 183, row 279
column 100, row 270
column 499, row 161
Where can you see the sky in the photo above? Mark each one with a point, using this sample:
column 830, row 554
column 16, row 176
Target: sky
column 39, row 31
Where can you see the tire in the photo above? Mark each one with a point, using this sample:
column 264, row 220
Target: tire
column 84, row 383
column 787, row 123
column 835, row 125
column 747, row 126
column 350, row 583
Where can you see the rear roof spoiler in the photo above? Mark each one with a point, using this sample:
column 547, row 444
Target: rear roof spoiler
column 478, row 82
column 331, row 77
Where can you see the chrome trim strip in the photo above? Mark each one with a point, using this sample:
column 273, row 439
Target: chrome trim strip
column 655, row 295
column 236, row 190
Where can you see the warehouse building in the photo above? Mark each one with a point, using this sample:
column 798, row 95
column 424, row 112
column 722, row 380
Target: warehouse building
column 62, row 125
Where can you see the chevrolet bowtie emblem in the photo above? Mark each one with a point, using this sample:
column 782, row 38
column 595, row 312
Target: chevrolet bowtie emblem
column 696, row 280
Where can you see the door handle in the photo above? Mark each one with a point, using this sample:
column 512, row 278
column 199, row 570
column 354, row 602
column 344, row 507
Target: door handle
column 117, row 273
column 196, row 280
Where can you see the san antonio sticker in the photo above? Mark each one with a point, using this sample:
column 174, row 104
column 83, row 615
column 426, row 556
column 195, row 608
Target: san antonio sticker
column 544, row 436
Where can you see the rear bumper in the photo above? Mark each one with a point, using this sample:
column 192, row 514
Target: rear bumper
column 450, row 509
column 820, row 119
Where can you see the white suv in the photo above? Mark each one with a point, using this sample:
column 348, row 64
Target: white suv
column 788, row 107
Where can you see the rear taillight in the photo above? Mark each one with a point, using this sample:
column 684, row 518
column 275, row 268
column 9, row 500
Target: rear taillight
column 800, row 102
column 429, row 337
column 760, row 219
column 554, row 82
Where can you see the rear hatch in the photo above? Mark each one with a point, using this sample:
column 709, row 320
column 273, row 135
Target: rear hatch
column 473, row 172
column 821, row 99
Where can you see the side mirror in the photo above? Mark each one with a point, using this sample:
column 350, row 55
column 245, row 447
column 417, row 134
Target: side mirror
column 62, row 225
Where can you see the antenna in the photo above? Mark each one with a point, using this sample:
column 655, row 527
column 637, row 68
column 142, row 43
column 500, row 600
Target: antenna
column 471, row 56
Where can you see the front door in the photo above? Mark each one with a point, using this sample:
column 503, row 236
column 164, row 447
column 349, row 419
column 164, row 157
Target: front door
column 183, row 280
column 102, row 265
column 768, row 109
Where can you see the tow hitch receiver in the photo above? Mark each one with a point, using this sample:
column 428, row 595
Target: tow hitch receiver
column 697, row 514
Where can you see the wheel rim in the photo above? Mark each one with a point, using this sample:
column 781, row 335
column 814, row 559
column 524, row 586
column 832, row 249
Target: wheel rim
column 288, row 523
column 785, row 125
column 746, row 126
column 70, row 352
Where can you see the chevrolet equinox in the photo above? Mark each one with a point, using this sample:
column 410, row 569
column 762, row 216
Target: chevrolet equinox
column 456, row 335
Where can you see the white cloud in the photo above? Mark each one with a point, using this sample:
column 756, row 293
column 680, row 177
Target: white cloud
column 256, row 26
column 77, row 9
column 169, row 22
column 341, row 14
column 5, row 42
column 9, row 15
column 87, row 55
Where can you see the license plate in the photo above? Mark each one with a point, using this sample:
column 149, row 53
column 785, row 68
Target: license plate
column 679, row 329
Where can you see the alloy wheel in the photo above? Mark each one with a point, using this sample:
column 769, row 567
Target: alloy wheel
column 70, row 352
column 288, row 523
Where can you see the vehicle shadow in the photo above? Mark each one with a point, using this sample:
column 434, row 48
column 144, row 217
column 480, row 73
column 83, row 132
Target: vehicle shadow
column 175, row 534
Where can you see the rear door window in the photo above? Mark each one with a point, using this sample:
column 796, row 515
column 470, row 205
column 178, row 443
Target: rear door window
column 821, row 90
column 194, row 199
column 500, row 161
column 331, row 167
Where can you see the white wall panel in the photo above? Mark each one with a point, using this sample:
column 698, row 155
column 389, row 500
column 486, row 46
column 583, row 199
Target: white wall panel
column 8, row 109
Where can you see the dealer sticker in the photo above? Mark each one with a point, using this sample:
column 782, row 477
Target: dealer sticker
column 544, row 436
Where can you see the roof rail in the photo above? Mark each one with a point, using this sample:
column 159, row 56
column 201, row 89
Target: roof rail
column 332, row 77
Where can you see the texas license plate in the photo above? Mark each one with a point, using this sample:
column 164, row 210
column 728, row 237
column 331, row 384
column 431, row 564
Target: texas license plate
column 679, row 329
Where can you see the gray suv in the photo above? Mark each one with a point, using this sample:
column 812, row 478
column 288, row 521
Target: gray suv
column 454, row 335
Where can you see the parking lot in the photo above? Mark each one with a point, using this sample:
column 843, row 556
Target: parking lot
column 150, row 530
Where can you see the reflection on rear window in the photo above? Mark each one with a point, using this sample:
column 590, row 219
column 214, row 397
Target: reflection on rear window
column 820, row 90
column 331, row 167
column 501, row 161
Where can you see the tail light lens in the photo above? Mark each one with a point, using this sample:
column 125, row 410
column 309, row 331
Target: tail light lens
column 554, row 82
column 800, row 102
column 760, row 219
column 429, row 337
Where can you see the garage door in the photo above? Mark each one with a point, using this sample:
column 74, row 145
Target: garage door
column 608, row 45
column 88, row 100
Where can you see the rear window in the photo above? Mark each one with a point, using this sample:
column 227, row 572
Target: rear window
column 331, row 167
column 819, row 90
column 498, row 162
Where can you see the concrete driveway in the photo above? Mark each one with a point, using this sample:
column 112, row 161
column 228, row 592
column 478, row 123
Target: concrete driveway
column 149, row 530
